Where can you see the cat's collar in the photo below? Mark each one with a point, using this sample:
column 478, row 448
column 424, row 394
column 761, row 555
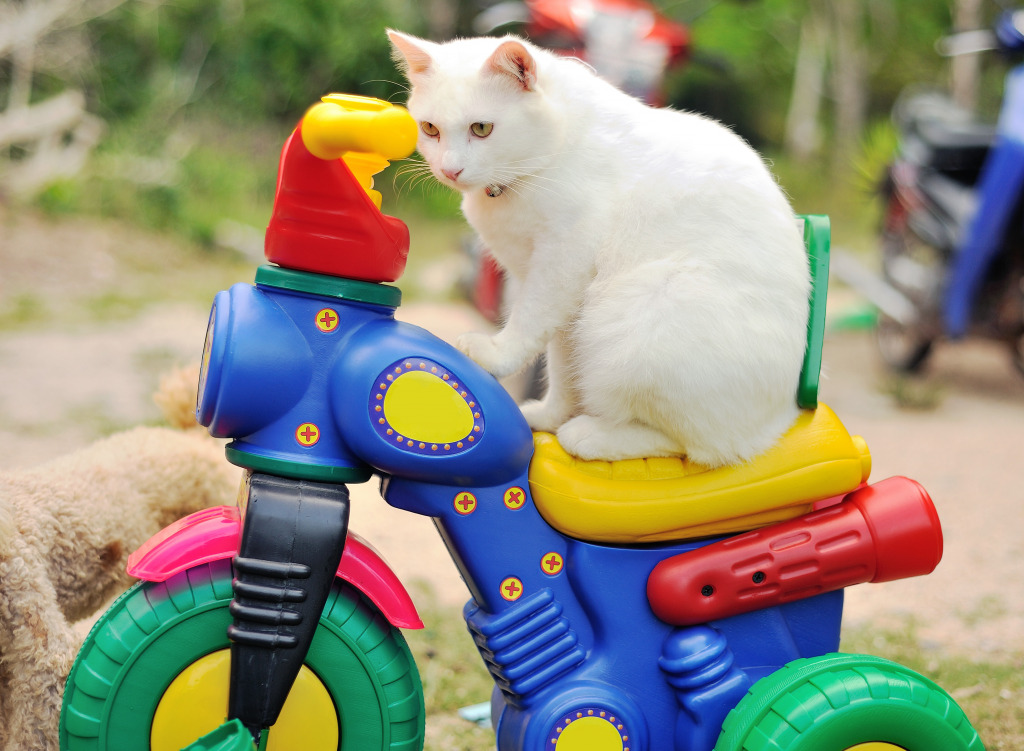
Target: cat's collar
column 494, row 190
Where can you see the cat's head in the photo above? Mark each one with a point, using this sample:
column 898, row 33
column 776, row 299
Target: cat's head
column 484, row 118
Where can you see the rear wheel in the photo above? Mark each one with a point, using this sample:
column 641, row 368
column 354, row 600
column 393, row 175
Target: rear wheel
column 843, row 702
column 153, row 674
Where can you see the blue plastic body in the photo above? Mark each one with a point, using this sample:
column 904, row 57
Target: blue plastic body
column 563, row 625
column 999, row 191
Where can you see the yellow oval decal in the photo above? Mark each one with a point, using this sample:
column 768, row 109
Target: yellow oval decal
column 422, row 406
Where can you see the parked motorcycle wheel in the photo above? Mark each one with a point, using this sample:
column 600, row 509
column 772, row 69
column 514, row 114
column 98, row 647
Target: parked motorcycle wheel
column 917, row 270
column 153, row 674
column 904, row 349
column 849, row 702
column 1018, row 353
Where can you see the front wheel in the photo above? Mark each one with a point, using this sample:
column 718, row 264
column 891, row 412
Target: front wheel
column 842, row 702
column 153, row 674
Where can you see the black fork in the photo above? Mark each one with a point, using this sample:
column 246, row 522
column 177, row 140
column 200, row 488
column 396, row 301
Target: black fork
column 292, row 540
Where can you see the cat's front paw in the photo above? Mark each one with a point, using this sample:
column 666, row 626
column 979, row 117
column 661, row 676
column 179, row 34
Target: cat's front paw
column 487, row 352
column 542, row 416
column 594, row 439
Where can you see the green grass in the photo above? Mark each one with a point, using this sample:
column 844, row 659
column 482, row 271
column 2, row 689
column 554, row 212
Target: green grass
column 990, row 691
column 24, row 309
column 913, row 393
column 453, row 677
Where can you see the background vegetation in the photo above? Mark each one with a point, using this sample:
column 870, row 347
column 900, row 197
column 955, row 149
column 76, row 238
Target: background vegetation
column 196, row 95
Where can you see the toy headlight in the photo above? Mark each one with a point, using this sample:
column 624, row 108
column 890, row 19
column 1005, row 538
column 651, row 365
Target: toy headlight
column 256, row 364
column 204, row 369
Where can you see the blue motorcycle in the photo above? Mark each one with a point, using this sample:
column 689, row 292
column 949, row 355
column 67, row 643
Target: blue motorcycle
column 953, row 232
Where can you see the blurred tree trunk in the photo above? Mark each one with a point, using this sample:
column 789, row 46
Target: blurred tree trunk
column 849, row 76
column 831, row 62
column 803, row 126
column 965, row 70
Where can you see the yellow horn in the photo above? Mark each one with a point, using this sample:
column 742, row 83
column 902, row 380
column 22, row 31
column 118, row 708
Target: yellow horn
column 343, row 123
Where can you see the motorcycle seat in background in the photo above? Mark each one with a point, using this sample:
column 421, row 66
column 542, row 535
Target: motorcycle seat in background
column 944, row 136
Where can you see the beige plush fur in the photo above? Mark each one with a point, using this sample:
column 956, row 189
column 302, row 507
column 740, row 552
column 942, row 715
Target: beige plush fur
column 66, row 530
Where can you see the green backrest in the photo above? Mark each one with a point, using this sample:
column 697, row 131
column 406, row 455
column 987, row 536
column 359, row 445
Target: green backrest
column 817, row 240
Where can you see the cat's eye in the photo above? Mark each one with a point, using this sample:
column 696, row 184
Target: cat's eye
column 481, row 130
column 430, row 129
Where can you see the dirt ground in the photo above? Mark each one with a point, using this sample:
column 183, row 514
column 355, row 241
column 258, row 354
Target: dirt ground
column 67, row 381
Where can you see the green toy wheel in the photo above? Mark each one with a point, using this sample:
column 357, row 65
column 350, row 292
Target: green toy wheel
column 153, row 674
column 842, row 702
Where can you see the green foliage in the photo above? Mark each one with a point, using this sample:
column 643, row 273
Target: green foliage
column 878, row 147
column 255, row 58
column 753, row 47
column 229, row 78
column 60, row 197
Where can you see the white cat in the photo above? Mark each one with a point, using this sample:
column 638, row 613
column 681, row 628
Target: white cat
column 650, row 251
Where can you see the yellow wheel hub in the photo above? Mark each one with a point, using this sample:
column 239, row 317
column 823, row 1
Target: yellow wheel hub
column 196, row 703
column 875, row 746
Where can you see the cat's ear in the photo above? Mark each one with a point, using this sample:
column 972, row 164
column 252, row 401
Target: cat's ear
column 410, row 53
column 513, row 59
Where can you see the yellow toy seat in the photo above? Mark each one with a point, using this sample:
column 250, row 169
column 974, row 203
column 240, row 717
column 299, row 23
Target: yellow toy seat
column 662, row 499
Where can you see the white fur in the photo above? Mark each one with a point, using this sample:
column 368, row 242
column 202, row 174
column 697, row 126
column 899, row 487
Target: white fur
column 650, row 251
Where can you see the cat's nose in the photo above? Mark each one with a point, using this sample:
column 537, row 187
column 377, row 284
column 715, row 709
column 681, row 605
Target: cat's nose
column 452, row 174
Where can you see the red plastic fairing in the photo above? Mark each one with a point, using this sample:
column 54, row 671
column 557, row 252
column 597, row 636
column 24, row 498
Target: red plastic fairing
column 877, row 533
column 214, row 534
column 324, row 222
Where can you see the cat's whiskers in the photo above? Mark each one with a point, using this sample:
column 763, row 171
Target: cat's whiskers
column 415, row 171
column 524, row 184
column 403, row 87
column 527, row 175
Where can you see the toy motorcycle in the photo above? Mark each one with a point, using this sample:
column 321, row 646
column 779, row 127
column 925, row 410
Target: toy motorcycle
column 952, row 250
column 647, row 605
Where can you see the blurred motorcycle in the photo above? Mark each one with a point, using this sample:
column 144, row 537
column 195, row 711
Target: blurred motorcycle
column 953, row 233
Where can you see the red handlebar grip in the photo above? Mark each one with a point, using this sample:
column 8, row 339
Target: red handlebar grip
column 877, row 533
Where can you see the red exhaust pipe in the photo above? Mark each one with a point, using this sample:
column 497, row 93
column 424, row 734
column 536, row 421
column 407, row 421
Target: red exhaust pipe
column 877, row 533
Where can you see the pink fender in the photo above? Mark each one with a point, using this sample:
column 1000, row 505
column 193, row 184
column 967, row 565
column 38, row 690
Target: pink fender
column 213, row 534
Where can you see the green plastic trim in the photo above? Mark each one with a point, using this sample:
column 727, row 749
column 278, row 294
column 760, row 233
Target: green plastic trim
column 231, row 736
column 295, row 470
column 817, row 240
column 329, row 286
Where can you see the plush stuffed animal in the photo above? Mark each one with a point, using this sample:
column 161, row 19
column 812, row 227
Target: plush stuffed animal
column 66, row 529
